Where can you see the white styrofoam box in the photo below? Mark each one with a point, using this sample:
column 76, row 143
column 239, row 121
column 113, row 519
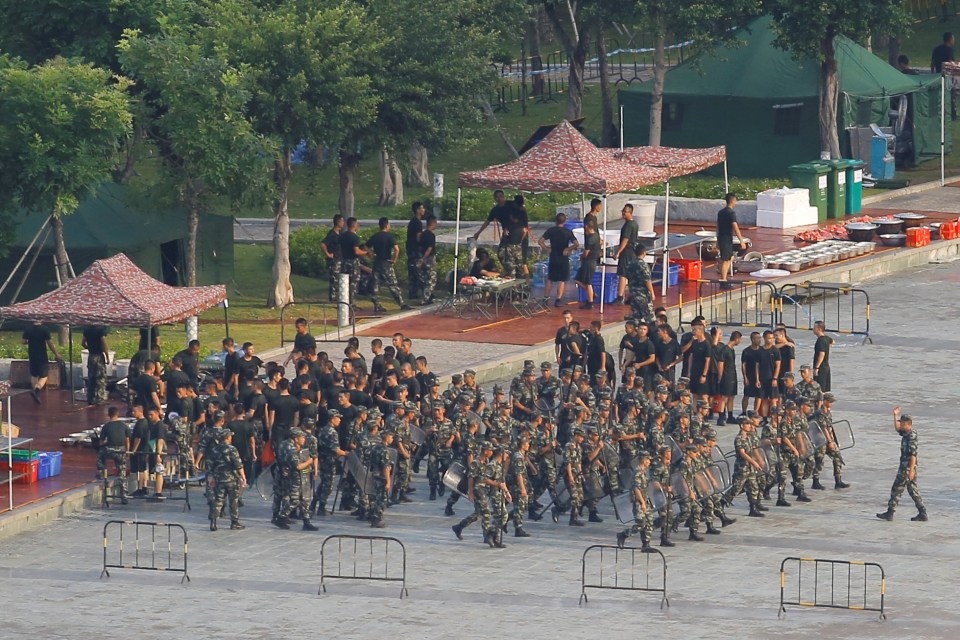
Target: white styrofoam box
column 787, row 219
column 783, row 200
column 611, row 239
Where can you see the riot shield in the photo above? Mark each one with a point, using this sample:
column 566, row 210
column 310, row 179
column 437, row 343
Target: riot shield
column 843, row 434
column 718, row 455
column 548, row 406
column 681, row 488
column 472, row 417
column 816, row 435
column 265, row 483
column 455, row 478
column 769, row 456
column 593, row 488
column 417, row 435
column 804, row 446
column 359, row 472
column 657, row 495
column 676, row 450
column 720, row 475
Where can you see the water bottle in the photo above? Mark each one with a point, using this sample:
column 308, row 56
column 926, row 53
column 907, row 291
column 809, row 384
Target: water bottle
column 540, row 275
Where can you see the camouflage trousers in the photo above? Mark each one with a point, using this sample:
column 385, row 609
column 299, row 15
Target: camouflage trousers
column 185, row 455
column 576, row 494
column 511, row 257
column 299, row 493
column 96, row 378
column 404, row 474
column 282, row 489
column 352, row 269
column 427, row 277
column 481, row 510
column 498, row 510
column 520, row 504
column 818, row 459
column 383, row 273
column 546, row 480
column 913, row 490
column 328, row 467
column 797, row 467
column 709, row 509
column 333, row 276
column 642, row 520
column 378, row 501
column 745, row 478
column 119, row 457
column 227, row 492
column 640, row 306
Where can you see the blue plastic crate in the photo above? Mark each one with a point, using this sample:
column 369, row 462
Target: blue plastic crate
column 609, row 292
column 573, row 224
column 56, row 462
column 51, row 463
column 44, row 471
column 674, row 278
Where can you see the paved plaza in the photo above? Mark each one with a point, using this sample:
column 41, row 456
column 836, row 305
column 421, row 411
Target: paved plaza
column 262, row 582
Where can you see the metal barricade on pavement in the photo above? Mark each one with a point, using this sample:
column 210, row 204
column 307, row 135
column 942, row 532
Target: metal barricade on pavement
column 150, row 552
column 622, row 574
column 849, row 595
column 363, row 558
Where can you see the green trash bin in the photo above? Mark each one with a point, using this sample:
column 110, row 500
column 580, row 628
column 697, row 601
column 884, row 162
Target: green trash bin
column 854, row 186
column 836, row 186
column 815, row 178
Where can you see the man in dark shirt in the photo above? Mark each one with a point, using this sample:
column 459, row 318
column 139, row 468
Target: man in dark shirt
column 645, row 356
column 37, row 339
column 748, row 366
column 190, row 357
column 426, row 262
column 146, row 389
column 513, row 224
column 244, row 438
column 157, row 445
column 576, row 345
column 414, row 230
column 698, row 358
column 944, row 53
column 726, row 228
column 562, row 243
column 788, row 354
column 282, row 413
column 303, row 342
column 668, row 354
column 821, row 356
column 596, row 208
column 230, row 375
column 385, row 253
column 589, row 260
column 625, row 253
column 351, row 252
column 248, row 366
column 114, row 445
column 768, row 371
column 484, row 266
column 331, row 248
column 560, row 340
column 727, row 373
column 98, row 357
column 140, row 450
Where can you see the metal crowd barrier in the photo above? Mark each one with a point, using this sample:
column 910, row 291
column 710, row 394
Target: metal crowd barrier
column 323, row 306
column 751, row 303
column 150, row 552
column 844, row 309
column 358, row 561
column 622, row 575
column 828, row 595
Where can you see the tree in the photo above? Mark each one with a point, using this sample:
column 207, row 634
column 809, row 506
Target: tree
column 308, row 63
column 706, row 24
column 197, row 107
column 574, row 28
column 61, row 126
column 808, row 31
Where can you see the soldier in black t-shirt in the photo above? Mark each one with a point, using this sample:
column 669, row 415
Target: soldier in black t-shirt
column 562, row 243
column 37, row 339
column 351, row 252
column 385, row 253
column 331, row 248
column 589, row 260
column 303, row 342
column 748, row 365
column 414, row 230
column 427, row 261
column 768, row 371
column 626, row 250
column 98, row 357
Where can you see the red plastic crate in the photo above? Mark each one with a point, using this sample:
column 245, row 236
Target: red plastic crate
column 30, row 471
column 689, row 269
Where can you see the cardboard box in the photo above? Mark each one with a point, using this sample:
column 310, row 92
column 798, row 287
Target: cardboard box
column 12, row 428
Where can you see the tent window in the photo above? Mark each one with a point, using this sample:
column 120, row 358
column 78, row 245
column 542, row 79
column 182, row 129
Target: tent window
column 672, row 118
column 786, row 119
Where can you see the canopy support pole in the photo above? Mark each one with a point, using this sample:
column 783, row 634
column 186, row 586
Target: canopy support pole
column 621, row 128
column 666, row 245
column 73, row 395
column 726, row 179
column 603, row 257
column 943, row 137
column 456, row 244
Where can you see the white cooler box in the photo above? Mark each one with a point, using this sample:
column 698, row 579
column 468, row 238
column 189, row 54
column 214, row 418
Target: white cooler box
column 783, row 200
column 787, row 219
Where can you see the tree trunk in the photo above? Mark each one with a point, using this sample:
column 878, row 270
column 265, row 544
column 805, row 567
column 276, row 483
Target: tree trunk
column 60, row 250
column 282, row 293
column 349, row 165
column 829, row 93
column 418, row 173
column 122, row 174
column 656, row 96
column 193, row 224
column 391, row 190
column 893, row 50
column 536, row 59
column 608, row 132
column 575, row 82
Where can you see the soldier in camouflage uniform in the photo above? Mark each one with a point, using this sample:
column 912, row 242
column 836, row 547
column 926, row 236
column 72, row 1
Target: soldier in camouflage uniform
column 774, row 431
column 661, row 459
column 568, row 403
column 907, row 471
column 518, row 481
column 183, row 436
column 691, row 511
column 452, row 393
column 470, row 387
column 790, row 390
column 380, row 465
column 642, row 508
column 500, row 426
column 524, row 397
column 592, row 466
column 573, row 473
column 230, row 478
column 328, row 452
column 499, row 497
column 544, row 447
column 629, row 433
column 397, row 423
column 747, row 466
column 442, row 436
column 548, row 386
column 427, row 267
column 467, row 449
column 793, row 425
column 209, row 438
column 295, row 465
column 808, row 387
column 706, row 491
column 385, row 255
column 114, row 444
column 482, row 477
column 824, row 418
column 640, row 282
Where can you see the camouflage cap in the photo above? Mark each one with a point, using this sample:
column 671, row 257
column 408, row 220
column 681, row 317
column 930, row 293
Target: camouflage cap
column 296, row 432
column 629, row 370
column 699, row 440
column 802, row 401
column 566, row 371
column 829, row 397
column 600, row 374
column 753, row 415
column 374, row 413
column 683, row 380
column 465, row 398
column 397, row 405
column 805, row 367
column 309, row 423
column 528, row 364
column 691, row 447
column 172, row 416
column 219, row 415
column 389, row 433
column 488, row 444
column 685, row 393
column 456, row 378
column 788, row 374
column 497, row 389
column 663, row 389
column 372, row 424
column 363, row 409
column 657, row 378
column 333, row 413
column 643, row 454
column 578, row 431
column 708, row 432
column 529, row 372
column 703, row 404
column 469, row 372
column 657, row 412
column 578, row 368
column 906, row 418
column 789, row 405
column 546, row 366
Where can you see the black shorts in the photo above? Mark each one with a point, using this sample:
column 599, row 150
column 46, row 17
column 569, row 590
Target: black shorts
column 726, row 248
column 585, row 273
column 39, row 369
column 558, row 269
column 750, row 389
column 727, row 387
column 139, row 461
column 699, row 388
column 623, row 264
column 769, row 390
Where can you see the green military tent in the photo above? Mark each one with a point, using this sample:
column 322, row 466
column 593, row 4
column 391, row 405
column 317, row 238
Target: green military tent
column 120, row 219
column 762, row 104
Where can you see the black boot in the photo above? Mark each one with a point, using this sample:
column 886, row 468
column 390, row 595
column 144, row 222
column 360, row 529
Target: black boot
column 403, row 499
column 533, row 515
column 782, row 503
column 574, row 521
column 696, row 537
column 321, row 509
column 886, row 515
column 309, row 526
column 816, row 485
column 518, row 532
column 281, row 523
column 213, row 524
column 644, row 541
column 236, row 526
column 725, row 521
column 458, row 530
column 760, row 507
column 498, row 539
column 622, row 539
column 712, row 530
column 448, row 510
column 803, row 497
column 441, row 489
column 920, row 517
column 755, row 513
column 838, row 483
column 433, row 492
column 766, row 493
column 595, row 517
